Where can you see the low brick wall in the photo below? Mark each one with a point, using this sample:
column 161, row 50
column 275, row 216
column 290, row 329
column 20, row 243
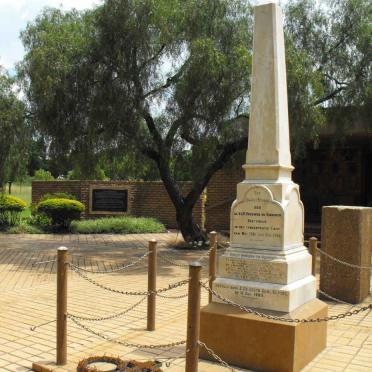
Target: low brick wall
column 221, row 192
column 147, row 199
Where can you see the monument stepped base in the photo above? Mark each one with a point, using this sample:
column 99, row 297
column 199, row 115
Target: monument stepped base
column 247, row 341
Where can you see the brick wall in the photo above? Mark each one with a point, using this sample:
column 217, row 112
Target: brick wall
column 221, row 192
column 148, row 199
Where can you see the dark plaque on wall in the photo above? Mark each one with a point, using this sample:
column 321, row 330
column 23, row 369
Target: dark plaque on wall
column 109, row 200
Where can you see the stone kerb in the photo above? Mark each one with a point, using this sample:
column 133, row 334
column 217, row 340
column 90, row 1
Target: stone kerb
column 347, row 236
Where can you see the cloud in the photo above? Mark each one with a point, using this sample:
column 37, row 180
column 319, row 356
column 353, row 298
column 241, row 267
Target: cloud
column 14, row 16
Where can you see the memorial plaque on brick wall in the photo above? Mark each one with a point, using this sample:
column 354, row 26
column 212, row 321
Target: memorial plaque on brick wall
column 110, row 200
column 257, row 218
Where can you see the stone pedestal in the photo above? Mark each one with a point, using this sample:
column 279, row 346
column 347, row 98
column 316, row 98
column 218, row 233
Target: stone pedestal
column 266, row 266
column 259, row 344
column 346, row 235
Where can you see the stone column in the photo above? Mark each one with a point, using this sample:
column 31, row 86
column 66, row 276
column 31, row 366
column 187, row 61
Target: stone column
column 346, row 235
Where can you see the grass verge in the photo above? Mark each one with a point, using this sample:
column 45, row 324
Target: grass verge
column 118, row 225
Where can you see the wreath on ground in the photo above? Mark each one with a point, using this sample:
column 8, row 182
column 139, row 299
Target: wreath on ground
column 120, row 365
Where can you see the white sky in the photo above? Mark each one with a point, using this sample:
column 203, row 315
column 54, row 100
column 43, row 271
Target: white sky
column 15, row 14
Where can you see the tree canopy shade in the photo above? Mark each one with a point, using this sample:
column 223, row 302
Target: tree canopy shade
column 13, row 131
column 169, row 80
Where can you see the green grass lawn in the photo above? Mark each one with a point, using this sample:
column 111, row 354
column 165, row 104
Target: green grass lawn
column 22, row 191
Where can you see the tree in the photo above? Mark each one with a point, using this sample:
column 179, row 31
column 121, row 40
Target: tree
column 169, row 80
column 13, row 131
column 335, row 40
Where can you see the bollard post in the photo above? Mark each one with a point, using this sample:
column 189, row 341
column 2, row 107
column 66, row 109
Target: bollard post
column 313, row 244
column 151, row 287
column 193, row 318
column 212, row 260
column 62, row 256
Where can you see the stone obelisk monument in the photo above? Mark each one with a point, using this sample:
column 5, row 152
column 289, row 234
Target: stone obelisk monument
column 266, row 266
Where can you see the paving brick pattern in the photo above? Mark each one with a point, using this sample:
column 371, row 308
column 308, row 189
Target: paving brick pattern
column 28, row 296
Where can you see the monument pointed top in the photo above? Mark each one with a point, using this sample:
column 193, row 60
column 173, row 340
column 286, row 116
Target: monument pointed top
column 268, row 155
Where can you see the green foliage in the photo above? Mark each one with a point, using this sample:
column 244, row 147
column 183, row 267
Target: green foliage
column 96, row 173
column 40, row 221
column 24, row 228
column 61, row 211
column 57, row 195
column 118, row 225
column 43, row 175
column 10, row 209
column 169, row 80
column 14, row 132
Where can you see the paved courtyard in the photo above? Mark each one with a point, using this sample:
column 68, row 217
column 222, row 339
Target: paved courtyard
column 28, row 298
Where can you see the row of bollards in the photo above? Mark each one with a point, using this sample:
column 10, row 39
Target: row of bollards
column 194, row 295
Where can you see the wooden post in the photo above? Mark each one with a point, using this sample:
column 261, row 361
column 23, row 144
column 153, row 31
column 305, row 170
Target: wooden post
column 151, row 299
column 313, row 244
column 193, row 318
column 212, row 260
column 62, row 305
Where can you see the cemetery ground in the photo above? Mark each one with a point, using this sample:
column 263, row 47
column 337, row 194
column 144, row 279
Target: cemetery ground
column 28, row 298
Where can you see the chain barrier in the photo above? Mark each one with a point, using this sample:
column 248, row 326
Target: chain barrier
column 167, row 259
column 334, row 298
column 283, row 319
column 124, row 343
column 42, row 324
column 129, row 293
column 343, row 262
column 109, row 317
column 173, row 297
column 43, row 262
column 215, row 356
column 131, row 264
column 179, row 296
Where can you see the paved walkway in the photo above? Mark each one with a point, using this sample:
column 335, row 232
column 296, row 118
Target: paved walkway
column 28, row 298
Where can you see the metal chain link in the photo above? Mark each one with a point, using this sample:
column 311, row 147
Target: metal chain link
column 180, row 296
column 343, row 262
column 43, row 262
column 113, row 316
column 283, row 319
column 127, row 344
column 173, row 297
column 130, row 293
column 166, row 258
column 215, row 356
column 133, row 263
column 334, row 298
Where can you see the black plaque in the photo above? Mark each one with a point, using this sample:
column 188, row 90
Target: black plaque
column 109, row 200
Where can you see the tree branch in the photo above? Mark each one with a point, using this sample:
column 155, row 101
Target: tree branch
column 171, row 80
column 227, row 151
column 153, row 58
column 329, row 96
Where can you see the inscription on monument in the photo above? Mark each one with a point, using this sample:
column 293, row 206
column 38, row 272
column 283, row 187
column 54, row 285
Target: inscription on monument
column 110, row 200
column 251, row 292
column 255, row 270
column 257, row 220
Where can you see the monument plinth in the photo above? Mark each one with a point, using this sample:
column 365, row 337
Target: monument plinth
column 266, row 266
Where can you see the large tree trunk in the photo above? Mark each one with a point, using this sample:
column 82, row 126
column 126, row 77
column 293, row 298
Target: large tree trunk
column 191, row 231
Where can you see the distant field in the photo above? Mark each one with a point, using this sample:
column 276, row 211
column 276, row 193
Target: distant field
column 23, row 192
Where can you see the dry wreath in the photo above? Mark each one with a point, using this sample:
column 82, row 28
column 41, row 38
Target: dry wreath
column 121, row 365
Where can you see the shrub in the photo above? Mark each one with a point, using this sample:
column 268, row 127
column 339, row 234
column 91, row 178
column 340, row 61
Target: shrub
column 10, row 209
column 43, row 175
column 118, row 225
column 40, row 220
column 57, row 195
column 61, row 211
